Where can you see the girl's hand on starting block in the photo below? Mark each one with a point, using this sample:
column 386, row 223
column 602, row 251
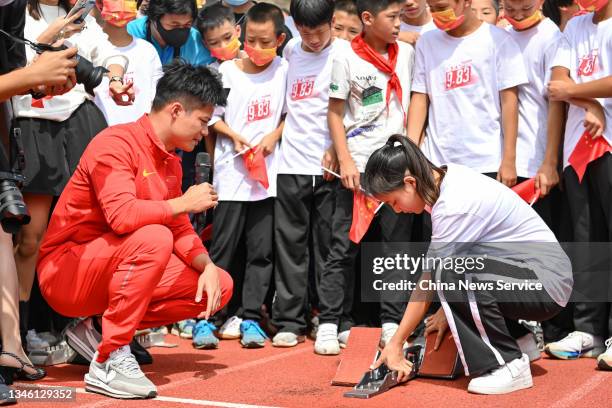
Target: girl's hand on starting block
column 436, row 322
column 393, row 356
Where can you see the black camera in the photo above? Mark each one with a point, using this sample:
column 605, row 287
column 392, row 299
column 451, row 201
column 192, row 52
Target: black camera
column 13, row 211
column 87, row 74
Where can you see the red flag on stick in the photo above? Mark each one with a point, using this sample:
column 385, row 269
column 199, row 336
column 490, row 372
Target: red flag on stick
column 527, row 191
column 587, row 150
column 364, row 209
column 255, row 164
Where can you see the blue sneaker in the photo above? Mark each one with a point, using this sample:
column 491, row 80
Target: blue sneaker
column 184, row 328
column 203, row 336
column 252, row 336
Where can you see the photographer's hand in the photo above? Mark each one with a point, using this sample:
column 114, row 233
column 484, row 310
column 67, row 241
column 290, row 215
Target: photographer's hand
column 54, row 69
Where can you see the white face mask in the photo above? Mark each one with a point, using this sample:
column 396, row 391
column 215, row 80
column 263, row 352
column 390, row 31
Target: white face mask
column 5, row 2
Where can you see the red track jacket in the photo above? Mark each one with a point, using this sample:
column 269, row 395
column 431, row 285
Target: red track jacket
column 121, row 184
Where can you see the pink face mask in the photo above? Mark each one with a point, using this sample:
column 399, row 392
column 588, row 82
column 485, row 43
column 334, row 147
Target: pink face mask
column 592, row 5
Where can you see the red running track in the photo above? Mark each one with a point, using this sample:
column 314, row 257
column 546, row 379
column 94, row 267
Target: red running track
column 232, row 376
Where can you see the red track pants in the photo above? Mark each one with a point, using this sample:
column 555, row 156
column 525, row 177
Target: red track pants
column 134, row 281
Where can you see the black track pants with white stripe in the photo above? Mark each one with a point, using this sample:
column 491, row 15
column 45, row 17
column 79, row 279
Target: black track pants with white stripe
column 484, row 322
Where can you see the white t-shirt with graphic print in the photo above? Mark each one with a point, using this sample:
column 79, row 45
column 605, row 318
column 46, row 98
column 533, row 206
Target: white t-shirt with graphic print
column 253, row 110
column 539, row 47
column 367, row 120
column 306, row 133
column 144, row 71
column 463, row 78
column 588, row 58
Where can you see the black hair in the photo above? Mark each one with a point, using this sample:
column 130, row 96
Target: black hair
column 399, row 157
column 36, row 13
column 375, row 6
column 214, row 16
column 312, row 13
column 193, row 86
column 156, row 9
column 550, row 8
column 264, row 12
column 348, row 6
column 496, row 6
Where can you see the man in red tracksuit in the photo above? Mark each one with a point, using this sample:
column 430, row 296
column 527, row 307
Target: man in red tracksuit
column 120, row 243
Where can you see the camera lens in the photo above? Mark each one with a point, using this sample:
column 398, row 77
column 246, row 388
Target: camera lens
column 88, row 75
column 13, row 211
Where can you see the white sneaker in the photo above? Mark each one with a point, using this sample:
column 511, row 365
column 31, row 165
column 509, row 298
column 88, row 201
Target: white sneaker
column 287, row 339
column 327, row 340
column 343, row 338
column 119, row 376
column 230, row 329
column 604, row 361
column 388, row 330
column 575, row 345
column 35, row 342
column 512, row 376
column 49, row 338
column 528, row 346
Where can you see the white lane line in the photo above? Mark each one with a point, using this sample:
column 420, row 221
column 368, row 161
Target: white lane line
column 186, row 401
column 224, row 371
column 579, row 393
column 239, row 367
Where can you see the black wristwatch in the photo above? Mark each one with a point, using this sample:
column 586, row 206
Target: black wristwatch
column 36, row 94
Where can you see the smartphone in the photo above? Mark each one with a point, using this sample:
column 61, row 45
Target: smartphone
column 86, row 5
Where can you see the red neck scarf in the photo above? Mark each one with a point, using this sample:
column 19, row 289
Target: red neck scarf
column 367, row 53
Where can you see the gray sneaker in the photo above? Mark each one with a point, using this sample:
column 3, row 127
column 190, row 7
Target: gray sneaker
column 119, row 377
column 84, row 338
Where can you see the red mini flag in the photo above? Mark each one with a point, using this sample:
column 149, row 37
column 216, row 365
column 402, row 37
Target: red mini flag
column 527, row 191
column 255, row 164
column 364, row 209
column 587, row 150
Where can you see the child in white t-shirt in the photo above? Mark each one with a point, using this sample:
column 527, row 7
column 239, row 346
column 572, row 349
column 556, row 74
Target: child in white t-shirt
column 346, row 23
column 470, row 213
column 221, row 36
column 466, row 83
column 416, row 21
column 486, row 10
column 588, row 59
column 251, row 118
column 368, row 100
column 144, row 69
column 220, row 33
column 305, row 198
column 540, row 123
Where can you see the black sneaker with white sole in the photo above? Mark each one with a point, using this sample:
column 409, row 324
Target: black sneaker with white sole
column 119, row 376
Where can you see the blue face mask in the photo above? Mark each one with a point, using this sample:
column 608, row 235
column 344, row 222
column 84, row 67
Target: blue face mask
column 235, row 3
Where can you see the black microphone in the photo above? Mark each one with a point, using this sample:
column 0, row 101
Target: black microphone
column 202, row 175
column 202, row 168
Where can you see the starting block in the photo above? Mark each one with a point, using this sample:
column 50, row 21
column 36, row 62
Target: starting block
column 357, row 356
column 362, row 350
column 382, row 379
